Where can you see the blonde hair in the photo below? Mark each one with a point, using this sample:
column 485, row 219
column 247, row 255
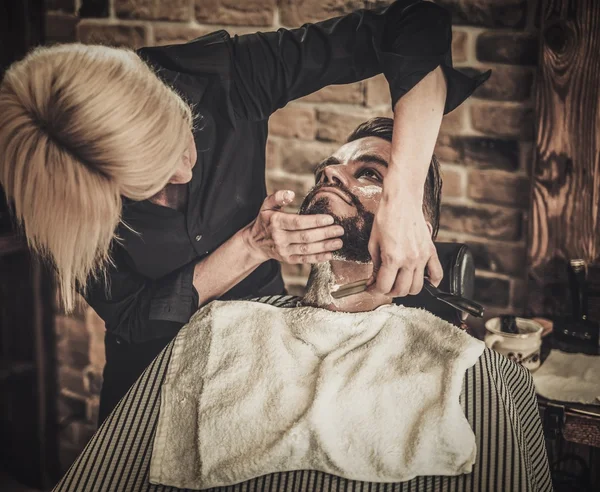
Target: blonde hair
column 81, row 126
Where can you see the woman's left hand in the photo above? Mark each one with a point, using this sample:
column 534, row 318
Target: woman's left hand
column 401, row 247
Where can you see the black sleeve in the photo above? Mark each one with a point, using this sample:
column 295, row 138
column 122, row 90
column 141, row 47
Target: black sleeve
column 138, row 309
column 405, row 41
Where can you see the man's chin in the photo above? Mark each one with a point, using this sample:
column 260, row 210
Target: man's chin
column 318, row 205
column 325, row 205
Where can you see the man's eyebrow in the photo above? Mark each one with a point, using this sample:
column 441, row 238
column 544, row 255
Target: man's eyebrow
column 372, row 158
column 330, row 161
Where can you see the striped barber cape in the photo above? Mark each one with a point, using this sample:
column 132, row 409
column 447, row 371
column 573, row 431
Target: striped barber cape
column 498, row 398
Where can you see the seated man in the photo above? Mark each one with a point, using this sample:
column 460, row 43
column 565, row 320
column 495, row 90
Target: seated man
column 497, row 396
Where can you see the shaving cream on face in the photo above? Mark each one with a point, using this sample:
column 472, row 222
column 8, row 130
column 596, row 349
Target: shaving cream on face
column 340, row 257
column 368, row 191
column 320, row 285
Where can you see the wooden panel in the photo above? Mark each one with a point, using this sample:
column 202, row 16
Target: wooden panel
column 566, row 178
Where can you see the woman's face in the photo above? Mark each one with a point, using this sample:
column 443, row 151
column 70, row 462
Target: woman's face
column 183, row 174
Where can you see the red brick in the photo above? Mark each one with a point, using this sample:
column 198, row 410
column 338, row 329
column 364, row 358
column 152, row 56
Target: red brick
column 499, row 187
column 300, row 185
column 77, row 434
column 92, row 380
column 113, row 34
column 378, row 91
column 302, row 157
column 453, row 123
column 273, row 154
column 71, row 353
column 61, row 28
column 491, row 291
column 491, row 222
column 449, row 148
column 499, row 257
column 71, row 380
column 96, row 329
column 459, row 46
column 165, row 34
column 337, row 126
column 173, row 10
column 294, row 13
column 134, row 9
column 482, row 152
column 294, row 122
column 504, row 121
column 69, row 406
column 507, row 47
column 236, row 13
column 346, row 94
column 486, row 13
column 507, row 83
column 453, row 183
column 92, row 410
column 72, row 342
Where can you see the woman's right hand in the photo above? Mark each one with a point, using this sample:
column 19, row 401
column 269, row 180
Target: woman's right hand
column 291, row 238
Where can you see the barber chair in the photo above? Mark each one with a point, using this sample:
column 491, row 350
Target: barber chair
column 459, row 279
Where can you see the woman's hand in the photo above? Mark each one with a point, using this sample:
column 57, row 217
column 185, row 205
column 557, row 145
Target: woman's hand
column 401, row 247
column 401, row 244
column 291, row 238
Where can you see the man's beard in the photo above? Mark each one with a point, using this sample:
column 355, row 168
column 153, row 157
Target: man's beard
column 357, row 229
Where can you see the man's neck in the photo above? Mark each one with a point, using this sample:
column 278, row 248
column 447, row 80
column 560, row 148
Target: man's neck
column 326, row 278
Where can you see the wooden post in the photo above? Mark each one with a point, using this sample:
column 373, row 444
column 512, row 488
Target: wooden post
column 564, row 219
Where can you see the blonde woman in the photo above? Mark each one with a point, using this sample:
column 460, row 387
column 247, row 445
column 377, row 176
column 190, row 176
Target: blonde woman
column 140, row 176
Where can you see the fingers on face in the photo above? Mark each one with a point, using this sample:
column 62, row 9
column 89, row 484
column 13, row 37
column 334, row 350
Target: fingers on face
column 310, row 259
column 314, row 235
column 304, row 249
column 293, row 222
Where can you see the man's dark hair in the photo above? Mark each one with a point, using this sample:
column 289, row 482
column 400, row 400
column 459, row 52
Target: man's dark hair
column 383, row 128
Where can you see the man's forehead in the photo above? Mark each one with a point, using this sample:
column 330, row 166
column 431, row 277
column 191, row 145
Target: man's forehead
column 368, row 145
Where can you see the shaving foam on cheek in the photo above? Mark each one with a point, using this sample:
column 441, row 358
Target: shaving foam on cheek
column 340, row 257
column 368, row 191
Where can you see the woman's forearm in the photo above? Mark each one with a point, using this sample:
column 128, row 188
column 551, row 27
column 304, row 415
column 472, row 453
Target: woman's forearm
column 417, row 119
column 225, row 267
column 274, row 234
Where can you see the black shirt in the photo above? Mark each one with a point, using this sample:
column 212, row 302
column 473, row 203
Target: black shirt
column 234, row 85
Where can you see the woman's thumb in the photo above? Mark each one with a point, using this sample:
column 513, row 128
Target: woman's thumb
column 278, row 199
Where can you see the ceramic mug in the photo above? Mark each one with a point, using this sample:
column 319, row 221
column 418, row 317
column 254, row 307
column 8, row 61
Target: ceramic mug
column 522, row 347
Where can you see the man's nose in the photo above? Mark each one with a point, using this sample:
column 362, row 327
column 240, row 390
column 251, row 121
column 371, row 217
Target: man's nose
column 335, row 174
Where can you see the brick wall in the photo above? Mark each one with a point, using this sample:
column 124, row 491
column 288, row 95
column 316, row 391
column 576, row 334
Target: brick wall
column 485, row 146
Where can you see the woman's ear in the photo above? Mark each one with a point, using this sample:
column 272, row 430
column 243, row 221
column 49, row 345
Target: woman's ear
column 430, row 227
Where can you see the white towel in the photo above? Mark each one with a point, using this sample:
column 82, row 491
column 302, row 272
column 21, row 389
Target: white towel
column 569, row 377
column 254, row 389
